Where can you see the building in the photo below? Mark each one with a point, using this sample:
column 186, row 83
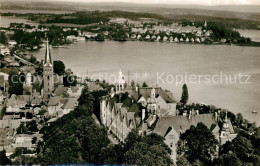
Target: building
column 117, row 118
column 172, row 127
column 155, row 99
column 120, row 84
column 227, row 133
column 48, row 85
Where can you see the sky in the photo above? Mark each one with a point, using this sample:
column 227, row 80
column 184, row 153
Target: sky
column 180, row 2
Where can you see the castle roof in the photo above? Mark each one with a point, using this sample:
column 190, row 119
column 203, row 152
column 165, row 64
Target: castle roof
column 182, row 123
column 146, row 92
column 71, row 103
column 54, row 101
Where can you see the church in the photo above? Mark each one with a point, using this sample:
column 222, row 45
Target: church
column 48, row 80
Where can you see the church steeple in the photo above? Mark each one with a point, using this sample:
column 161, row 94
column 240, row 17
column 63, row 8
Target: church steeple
column 48, row 82
column 48, row 61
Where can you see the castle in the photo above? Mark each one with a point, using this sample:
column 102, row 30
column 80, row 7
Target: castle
column 153, row 110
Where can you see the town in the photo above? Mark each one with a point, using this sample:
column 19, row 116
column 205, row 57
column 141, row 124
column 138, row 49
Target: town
column 35, row 95
column 50, row 115
column 65, row 29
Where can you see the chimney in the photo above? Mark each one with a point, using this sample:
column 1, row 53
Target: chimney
column 143, row 114
column 197, row 112
column 216, row 116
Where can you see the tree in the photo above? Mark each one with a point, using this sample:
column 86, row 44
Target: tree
column 73, row 138
column 3, row 38
column 133, row 84
column 100, row 37
column 228, row 159
column 15, row 85
column 34, row 139
column 185, row 95
column 86, row 99
column 22, row 129
column 201, row 144
column 182, row 161
column 32, row 126
column 144, row 85
column 3, row 159
column 142, row 153
column 240, row 146
column 58, row 67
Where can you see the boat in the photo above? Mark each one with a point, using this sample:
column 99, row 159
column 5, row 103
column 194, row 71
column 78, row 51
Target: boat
column 254, row 112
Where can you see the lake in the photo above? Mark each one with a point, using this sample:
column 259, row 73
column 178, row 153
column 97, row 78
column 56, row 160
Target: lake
column 6, row 20
column 152, row 60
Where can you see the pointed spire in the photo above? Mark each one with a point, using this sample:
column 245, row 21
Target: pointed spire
column 47, row 55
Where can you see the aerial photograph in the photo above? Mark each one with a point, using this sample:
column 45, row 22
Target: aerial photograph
column 130, row 82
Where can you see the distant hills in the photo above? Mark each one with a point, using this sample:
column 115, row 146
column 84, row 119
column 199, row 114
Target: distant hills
column 248, row 12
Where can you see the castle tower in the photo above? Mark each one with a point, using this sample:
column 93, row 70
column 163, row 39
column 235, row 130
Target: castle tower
column 48, row 85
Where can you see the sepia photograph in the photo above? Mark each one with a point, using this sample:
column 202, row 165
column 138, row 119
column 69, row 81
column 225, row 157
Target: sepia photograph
column 130, row 82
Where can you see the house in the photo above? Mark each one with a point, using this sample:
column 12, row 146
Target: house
column 158, row 38
column 223, row 40
column 71, row 37
column 173, row 126
column 25, row 141
column 147, row 37
column 55, row 105
column 12, row 43
column 187, row 40
column 89, row 34
column 139, row 36
column 181, row 39
column 171, row 39
column 69, row 105
column 14, row 103
column 5, row 51
column 118, row 119
column 153, row 37
column 208, row 33
column 176, row 39
column 165, row 38
column 10, row 123
column 162, row 101
column 133, row 36
column 75, row 91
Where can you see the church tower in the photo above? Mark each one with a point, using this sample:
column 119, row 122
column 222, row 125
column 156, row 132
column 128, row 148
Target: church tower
column 48, row 85
column 121, row 82
column 152, row 102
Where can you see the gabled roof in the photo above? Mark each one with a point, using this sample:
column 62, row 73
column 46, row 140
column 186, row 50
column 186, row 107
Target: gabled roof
column 60, row 90
column 54, row 101
column 146, row 92
column 182, row 123
column 71, row 103
column 94, row 87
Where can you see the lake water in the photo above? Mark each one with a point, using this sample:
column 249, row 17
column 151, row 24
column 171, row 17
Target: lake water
column 168, row 60
column 253, row 34
column 151, row 59
column 6, row 20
